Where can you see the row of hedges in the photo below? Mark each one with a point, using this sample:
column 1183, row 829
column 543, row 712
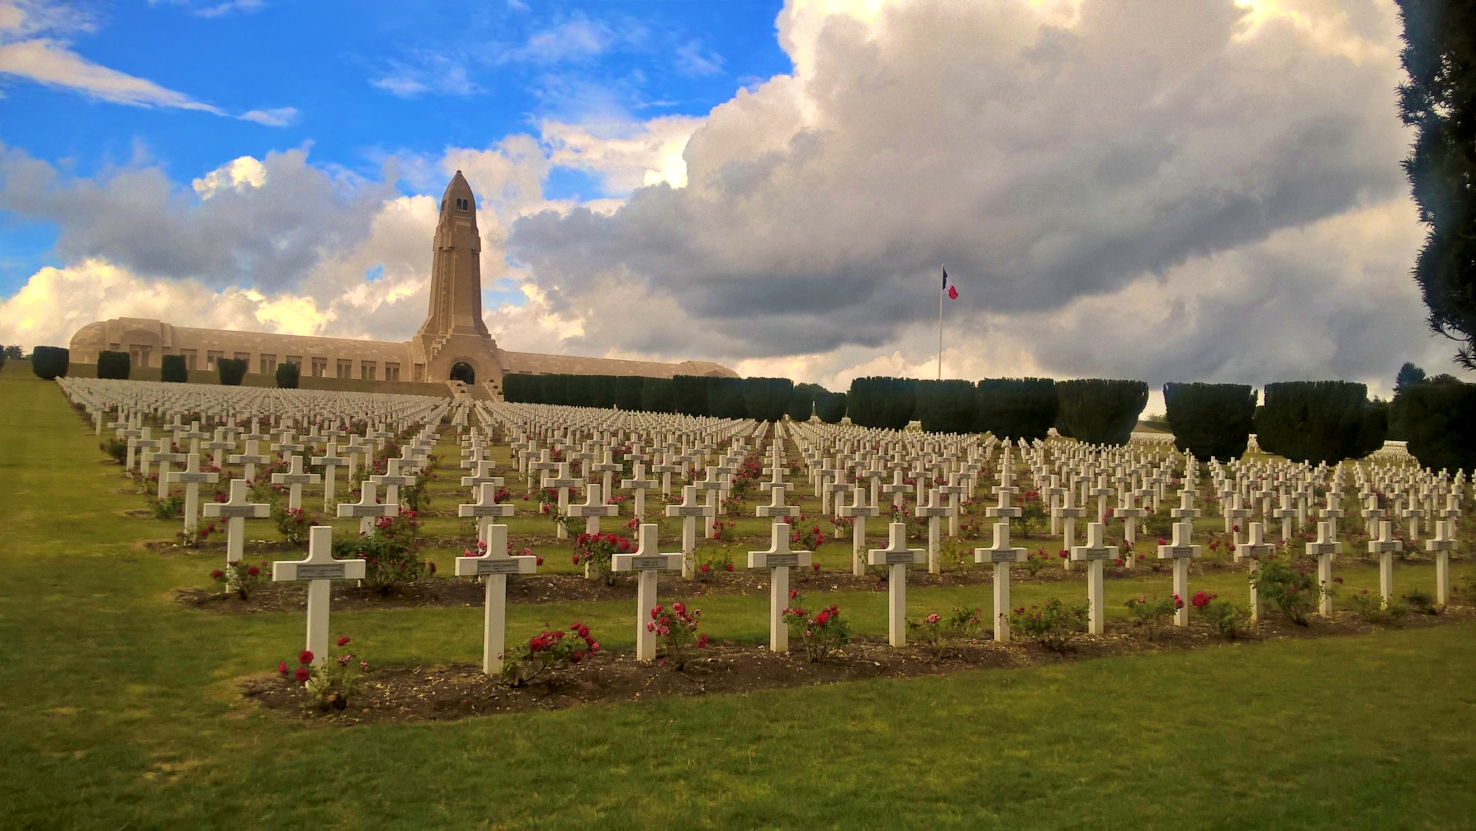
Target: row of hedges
column 764, row 399
column 1095, row 411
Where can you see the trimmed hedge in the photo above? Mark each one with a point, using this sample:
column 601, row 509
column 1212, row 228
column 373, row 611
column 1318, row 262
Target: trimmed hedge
column 946, row 406
column 1100, row 411
column 1211, row 420
column 602, row 391
column 884, row 402
column 689, row 394
column 520, row 388
column 725, row 398
column 288, row 376
column 172, row 369
column 658, row 395
column 553, row 389
column 231, row 371
column 802, row 401
column 628, row 392
column 831, row 407
column 1016, row 408
column 767, row 399
column 115, row 365
column 1320, row 421
column 50, row 362
column 1440, row 422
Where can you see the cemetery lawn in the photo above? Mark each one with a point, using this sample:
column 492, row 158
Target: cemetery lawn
column 120, row 708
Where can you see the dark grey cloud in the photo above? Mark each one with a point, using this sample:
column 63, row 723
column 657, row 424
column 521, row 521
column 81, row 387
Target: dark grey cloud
column 269, row 236
column 1043, row 163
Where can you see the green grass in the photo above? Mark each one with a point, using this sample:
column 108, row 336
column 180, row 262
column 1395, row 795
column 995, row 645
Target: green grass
column 119, row 709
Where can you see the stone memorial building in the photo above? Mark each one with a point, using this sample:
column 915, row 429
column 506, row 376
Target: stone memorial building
column 452, row 343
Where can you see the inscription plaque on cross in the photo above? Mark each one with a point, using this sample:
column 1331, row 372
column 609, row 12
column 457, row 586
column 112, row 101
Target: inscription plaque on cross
column 648, row 563
column 895, row 557
column 1181, row 551
column 319, row 570
column 493, row 566
column 1094, row 553
column 779, row 559
column 1001, row 554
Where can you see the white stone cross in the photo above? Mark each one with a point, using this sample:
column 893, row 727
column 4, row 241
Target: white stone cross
column 1252, row 551
column 219, row 447
column 858, row 511
column 164, row 460
column 1441, row 545
column 493, row 566
column 192, row 478
column 593, row 508
column 250, row 459
column 712, row 484
column 294, row 479
column 640, row 484
column 688, row 511
column 895, row 557
column 1385, row 546
column 776, row 510
column 1094, row 552
column 486, row 509
column 1068, row 514
column 392, row 480
column 1001, row 554
column 1286, row 513
column 330, row 461
column 367, row 509
column 648, row 563
column 235, row 512
column 607, row 468
column 562, row 482
column 1323, row 548
column 1181, row 552
column 481, row 474
column 932, row 512
column 319, row 569
column 780, row 559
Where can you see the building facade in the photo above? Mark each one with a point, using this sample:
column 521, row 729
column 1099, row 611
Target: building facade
column 452, row 344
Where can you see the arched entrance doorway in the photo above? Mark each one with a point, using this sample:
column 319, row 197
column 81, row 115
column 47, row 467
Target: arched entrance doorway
column 464, row 373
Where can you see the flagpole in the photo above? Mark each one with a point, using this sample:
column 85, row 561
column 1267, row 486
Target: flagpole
column 940, row 326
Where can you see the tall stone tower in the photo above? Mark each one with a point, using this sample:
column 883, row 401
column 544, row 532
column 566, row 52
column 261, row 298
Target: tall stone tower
column 453, row 337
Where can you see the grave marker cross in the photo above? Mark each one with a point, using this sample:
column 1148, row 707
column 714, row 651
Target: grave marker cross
column 895, row 557
column 648, row 563
column 1094, row 552
column 1001, row 554
column 780, row 559
column 1181, row 552
column 493, row 565
column 319, row 569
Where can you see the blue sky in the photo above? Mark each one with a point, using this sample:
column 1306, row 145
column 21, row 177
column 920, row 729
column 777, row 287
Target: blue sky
column 370, row 79
column 1165, row 190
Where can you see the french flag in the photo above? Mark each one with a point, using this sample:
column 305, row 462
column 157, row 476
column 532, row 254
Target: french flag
column 952, row 291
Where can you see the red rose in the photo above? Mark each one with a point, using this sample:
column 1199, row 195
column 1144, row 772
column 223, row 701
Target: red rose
column 343, row 641
column 305, row 657
column 217, row 574
column 302, row 674
column 539, row 561
column 728, row 566
column 282, row 668
column 253, row 571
